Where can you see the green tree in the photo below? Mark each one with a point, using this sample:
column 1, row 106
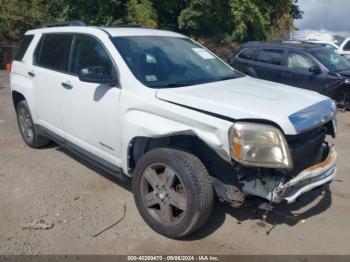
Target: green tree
column 97, row 12
column 168, row 12
column 280, row 16
column 141, row 12
column 220, row 20
column 17, row 16
column 249, row 21
column 239, row 20
column 205, row 18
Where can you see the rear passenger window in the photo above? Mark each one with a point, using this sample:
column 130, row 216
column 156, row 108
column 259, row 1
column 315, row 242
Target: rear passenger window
column 247, row 54
column 23, row 46
column 89, row 52
column 270, row 56
column 53, row 51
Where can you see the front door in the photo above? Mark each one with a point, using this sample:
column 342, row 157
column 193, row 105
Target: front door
column 297, row 72
column 90, row 111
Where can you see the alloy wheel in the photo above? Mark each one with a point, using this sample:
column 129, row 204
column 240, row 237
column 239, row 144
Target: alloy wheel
column 25, row 124
column 163, row 194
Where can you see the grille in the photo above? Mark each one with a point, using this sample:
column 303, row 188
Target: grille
column 306, row 149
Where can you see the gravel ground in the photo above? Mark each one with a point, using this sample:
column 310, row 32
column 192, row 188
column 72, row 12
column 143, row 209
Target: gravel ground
column 76, row 201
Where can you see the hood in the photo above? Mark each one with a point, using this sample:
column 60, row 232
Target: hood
column 295, row 110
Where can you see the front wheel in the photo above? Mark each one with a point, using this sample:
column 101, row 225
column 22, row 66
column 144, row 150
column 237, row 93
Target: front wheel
column 172, row 191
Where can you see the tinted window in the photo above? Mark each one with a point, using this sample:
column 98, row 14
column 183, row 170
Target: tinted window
column 53, row 51
column 163, row 61
column 88, row 52
column 299, row 61
column 347, row 46
column 270, row 56
column 23, row 46
column 247, row 54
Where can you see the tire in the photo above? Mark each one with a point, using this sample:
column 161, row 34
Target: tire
column 27, row 128
column 179, row 185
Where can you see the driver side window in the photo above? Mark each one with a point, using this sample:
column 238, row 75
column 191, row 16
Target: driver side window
column 88, row 52
column 299, row 61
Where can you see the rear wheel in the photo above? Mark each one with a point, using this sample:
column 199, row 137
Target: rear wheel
column 172, row 191
column 27, row 128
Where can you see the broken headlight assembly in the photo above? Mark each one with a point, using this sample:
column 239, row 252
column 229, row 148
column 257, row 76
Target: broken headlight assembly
column 259, row 145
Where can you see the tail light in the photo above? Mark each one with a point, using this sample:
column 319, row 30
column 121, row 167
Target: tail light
column 8, row 68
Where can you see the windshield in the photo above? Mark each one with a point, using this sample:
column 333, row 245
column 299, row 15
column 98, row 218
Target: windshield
column 160, row 61
column 331, row 60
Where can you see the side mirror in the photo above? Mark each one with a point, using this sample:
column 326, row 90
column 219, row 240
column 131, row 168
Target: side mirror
column 96, row 74
column 315, row 70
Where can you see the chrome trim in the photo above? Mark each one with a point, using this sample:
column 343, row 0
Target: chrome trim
column 313, row 116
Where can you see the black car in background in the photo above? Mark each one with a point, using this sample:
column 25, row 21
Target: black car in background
column 305, row 65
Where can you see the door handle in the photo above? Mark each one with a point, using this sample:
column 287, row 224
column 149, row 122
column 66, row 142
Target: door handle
column 31, row 74
column 67, row 85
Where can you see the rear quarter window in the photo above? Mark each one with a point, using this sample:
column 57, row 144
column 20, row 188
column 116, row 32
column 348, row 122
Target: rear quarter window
column 22, row 47
column 52, row 51
column 247, row 54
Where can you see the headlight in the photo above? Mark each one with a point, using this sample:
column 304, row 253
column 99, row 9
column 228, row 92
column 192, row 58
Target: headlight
column 259, row 145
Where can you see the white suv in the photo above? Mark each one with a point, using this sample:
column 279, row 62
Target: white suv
column 161, row 109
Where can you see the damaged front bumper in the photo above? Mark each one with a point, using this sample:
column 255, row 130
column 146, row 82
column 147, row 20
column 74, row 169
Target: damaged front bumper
column 277, row 188
column 307, row 180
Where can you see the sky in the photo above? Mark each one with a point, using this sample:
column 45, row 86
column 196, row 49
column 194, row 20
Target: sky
column 324, row 16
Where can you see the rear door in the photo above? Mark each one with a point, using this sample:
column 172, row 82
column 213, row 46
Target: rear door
column 48, row 72
column 297, row 72
column 268, row 64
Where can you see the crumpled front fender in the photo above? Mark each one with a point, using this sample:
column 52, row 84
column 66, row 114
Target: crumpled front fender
column 213, row 132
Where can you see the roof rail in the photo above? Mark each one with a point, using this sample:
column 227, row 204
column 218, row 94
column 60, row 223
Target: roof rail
column 66, row 23
column 292, row 41
column 131, row 26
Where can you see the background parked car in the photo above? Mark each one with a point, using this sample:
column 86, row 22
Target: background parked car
column 305, row 65
column 336, row 42
column 329, row 45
